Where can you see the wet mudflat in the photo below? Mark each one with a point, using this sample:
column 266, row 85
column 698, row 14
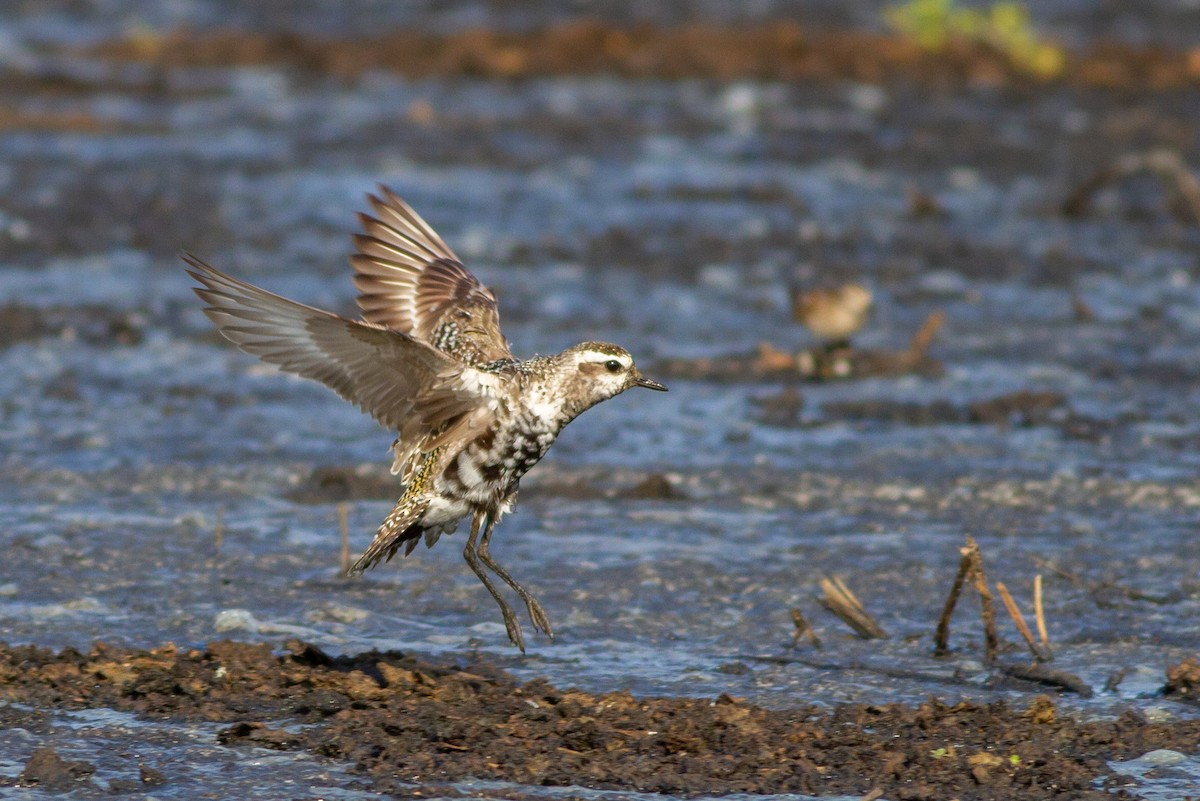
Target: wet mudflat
column 160, row 487
column 406, row 722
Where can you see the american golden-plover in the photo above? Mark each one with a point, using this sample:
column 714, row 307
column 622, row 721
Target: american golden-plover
column 833, row 314
column 428, row 361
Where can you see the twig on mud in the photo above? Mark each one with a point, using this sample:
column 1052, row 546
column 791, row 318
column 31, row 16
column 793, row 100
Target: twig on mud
column 803, row 629
column 1047, row 675
column 1014, row 612
column 1074, row 578
column 1167, row 165
column 949, row 678
column 1039, row 615
column 1040, row 674
column 343, row 513
column 838, row 599
column 1098, row 590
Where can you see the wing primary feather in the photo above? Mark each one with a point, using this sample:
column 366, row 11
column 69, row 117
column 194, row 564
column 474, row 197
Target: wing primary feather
column 406, row 384
column 409, row 280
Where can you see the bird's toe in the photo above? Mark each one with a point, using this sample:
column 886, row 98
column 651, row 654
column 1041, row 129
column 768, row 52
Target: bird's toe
column 513, row 627
column 537, row 615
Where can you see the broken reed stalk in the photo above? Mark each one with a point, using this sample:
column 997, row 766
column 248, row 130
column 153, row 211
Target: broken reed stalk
column 987, row 605
column 219, row 531
column 343, row 513
column 838, row 599
column 1048, row 675
column 941, row 639
column 1076, row 580
column 970, row 566
column 1166, row 165
column 919, row 345
column 1039, row 615
column 1014, row 612
column 803, row 629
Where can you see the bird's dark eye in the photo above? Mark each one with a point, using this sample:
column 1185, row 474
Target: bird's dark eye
column 612, row 366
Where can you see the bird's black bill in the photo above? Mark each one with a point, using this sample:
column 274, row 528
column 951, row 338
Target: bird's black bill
column 642, row 381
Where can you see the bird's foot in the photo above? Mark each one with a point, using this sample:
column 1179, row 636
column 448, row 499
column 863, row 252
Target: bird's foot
column 537, row 616
column 513, row 627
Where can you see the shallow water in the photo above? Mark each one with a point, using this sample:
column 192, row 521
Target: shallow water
column 616, row 210
column 117, row 744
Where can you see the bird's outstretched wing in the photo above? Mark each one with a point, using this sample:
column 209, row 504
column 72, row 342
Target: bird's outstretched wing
column 410, row 281
column 405, row 384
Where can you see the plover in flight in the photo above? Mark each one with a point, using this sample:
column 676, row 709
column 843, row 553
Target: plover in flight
column 428, row 361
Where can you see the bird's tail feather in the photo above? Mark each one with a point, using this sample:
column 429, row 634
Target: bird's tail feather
column 397, row 529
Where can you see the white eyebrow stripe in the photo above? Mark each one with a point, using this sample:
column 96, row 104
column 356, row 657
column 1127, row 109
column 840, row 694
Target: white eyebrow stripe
column 601, row 356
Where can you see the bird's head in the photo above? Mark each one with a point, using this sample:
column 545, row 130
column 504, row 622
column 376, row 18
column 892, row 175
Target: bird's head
column 606, row 370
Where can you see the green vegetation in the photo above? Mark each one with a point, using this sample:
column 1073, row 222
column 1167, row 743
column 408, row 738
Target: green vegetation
column 1004, row 25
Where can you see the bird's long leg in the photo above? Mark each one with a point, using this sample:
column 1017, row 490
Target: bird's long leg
column 536, row 614
column 473, row 557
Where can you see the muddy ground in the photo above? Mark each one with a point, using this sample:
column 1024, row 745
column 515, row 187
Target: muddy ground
column 411, row 725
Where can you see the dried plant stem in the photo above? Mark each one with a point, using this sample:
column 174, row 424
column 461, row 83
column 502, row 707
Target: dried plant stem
column 839, row 600
column 1039, row 617
column 969, row 567
column 1014, row 612
column 1167, row 165
column 803, row 629
column 343, row 513
column 942, row 637
column 987, row 605
column 919, row 346
column 219, row 531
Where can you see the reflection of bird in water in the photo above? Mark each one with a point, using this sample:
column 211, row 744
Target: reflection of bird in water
column 833, row 315
column 428, row 360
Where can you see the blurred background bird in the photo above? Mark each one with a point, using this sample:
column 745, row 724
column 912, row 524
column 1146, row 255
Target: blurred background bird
column 833, row 315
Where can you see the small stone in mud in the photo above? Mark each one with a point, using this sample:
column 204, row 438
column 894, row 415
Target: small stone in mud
column 733, row 668
column 150, row 777
column 911, row 413
column 1015, row 409
column 320, row 703
column 48, row 770
column 94, row 324
column 258, row 734
column 337, row 484
column 781, row 410
column 1183, row 680
column 654, row 487
column 1018, row 408
column 236, row 620
column 63, row 387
